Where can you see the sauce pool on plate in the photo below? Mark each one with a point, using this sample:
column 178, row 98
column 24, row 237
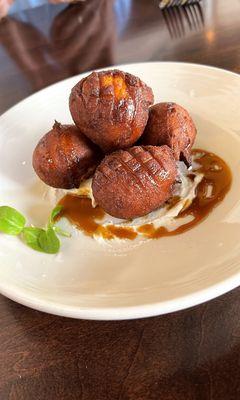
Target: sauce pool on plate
column 210, row 192
column 80, row 212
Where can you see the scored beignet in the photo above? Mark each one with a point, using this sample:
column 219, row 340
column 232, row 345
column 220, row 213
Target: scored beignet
column 132, row 183
column 171, row 124
column 111, row 108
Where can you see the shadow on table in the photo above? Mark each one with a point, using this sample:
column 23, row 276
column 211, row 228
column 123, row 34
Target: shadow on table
column 81, row 38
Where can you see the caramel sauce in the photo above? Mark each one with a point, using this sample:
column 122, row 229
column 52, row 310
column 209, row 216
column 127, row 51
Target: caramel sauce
column 173, row 201
column 210, row 191
column 122, row 233
column 217, row 178
column 83, row 215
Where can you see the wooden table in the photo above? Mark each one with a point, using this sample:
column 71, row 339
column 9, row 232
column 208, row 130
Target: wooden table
column 189, row 355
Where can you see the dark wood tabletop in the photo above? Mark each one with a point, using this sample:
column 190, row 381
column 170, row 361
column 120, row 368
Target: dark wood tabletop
column 189, row 355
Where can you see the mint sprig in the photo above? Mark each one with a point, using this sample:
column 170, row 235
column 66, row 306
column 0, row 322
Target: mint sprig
column 49, row 241
column 12, row 222
column 54, row 214
column 30, row 236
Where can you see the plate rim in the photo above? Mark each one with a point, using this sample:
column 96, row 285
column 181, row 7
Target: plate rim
column 82, row 74
column 123, row 312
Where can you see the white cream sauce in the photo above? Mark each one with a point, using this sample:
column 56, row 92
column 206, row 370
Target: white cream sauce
column 165, row 216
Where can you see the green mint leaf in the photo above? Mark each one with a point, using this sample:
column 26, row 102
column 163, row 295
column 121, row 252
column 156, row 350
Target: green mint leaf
column 61, row 232
column 55, row 212
column 11, row 221
column 48, row 241
column 30, row 236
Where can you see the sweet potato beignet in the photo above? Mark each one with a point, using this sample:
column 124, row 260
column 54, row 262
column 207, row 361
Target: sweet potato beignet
column 111, row 108
column 133, row 182
column 64, row 157
column 172, row 125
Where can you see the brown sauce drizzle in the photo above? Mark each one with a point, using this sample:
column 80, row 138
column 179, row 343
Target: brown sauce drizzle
column 83, row 215
column 211, row 191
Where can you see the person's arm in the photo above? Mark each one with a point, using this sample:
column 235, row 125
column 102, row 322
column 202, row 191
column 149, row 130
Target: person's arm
column 4, row 7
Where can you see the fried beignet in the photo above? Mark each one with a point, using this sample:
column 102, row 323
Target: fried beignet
column 111, row 108
column 132, row 183
column 172, row 125
column 64, row 157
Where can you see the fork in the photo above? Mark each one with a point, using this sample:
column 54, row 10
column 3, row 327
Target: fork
column 172, row 3
column 181, row 19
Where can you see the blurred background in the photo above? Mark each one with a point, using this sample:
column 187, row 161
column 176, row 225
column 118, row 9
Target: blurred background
column 43, row 42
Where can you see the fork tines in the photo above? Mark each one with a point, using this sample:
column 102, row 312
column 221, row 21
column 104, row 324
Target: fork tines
column 172, row 3
column 179, row 20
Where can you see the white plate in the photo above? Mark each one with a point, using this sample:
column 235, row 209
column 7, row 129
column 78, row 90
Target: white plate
column 86, row 280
